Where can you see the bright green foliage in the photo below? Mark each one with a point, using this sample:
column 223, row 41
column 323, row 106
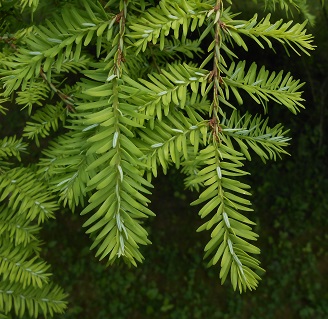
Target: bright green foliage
column 114, row 81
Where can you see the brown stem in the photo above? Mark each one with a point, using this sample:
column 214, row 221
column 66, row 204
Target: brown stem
column 64, row 97
column 215, row 74
column 9, row 41
column 121, row 19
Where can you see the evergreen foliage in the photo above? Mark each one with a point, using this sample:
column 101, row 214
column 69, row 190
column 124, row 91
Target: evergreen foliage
column 292, row 7
column 117, row 89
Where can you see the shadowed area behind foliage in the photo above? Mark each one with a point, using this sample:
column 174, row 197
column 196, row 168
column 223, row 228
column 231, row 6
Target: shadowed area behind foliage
column 173, row 282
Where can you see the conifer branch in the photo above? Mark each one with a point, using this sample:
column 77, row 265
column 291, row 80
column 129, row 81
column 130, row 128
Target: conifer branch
column 118, row 75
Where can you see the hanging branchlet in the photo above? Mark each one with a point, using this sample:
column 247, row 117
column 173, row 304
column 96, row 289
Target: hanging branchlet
column 118, row 201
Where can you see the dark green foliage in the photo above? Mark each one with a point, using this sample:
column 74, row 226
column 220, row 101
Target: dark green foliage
column 112, row 92
column 25, row 284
